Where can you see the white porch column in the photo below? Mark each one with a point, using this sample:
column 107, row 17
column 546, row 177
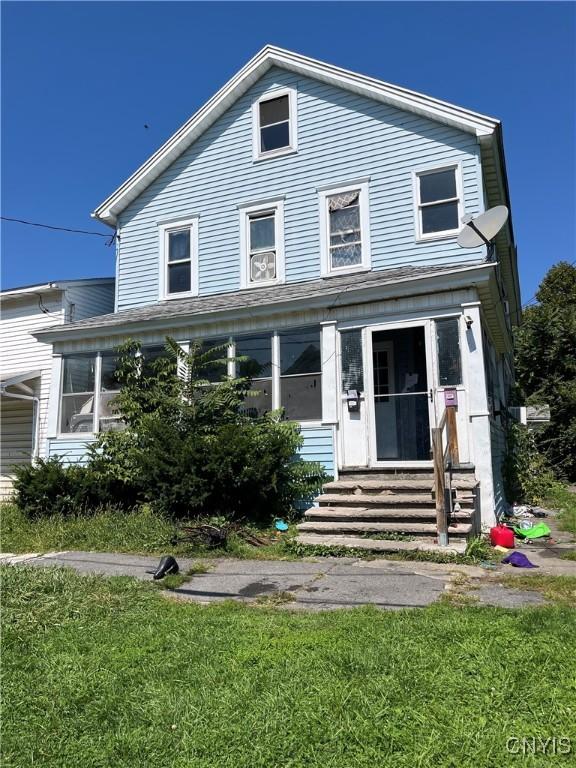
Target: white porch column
column 329, row 373
column 53, row 401
column 478, row 411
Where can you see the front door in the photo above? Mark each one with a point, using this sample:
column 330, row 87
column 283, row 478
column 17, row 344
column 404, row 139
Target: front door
column 400, row 396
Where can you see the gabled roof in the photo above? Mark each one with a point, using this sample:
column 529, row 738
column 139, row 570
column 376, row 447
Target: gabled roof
column 270, row 56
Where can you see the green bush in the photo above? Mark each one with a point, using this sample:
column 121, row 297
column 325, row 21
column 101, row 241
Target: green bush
column 48, row 487
column 527, row 475
column 188, row 449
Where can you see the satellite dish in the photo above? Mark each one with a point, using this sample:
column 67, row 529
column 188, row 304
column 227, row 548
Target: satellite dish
column 483, row 229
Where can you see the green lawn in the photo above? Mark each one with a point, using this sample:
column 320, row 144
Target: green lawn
column 139, row 532
column 108, row 673
column 564, row 500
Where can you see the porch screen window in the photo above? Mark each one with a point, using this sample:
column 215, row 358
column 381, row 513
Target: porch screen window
column 438, row 202
column 77, row 407
column 108, row 417
column 217, row 368
column 257, row 350
column 448, row 346
column 179, row 266
column 345, row 229
column 274, row 124
column 301, row 374
column 262, row 246
column 352, row 363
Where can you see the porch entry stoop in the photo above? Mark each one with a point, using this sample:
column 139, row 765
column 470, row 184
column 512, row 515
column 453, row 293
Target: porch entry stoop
column 391, row 510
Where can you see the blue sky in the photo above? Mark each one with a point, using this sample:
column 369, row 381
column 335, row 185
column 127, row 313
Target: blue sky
column 81, row 80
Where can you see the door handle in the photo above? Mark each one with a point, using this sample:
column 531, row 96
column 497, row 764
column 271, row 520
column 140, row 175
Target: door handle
column 431, row 395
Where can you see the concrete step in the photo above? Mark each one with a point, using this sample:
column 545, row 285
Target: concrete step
column 382, row 545
column 363, row 514
column 319, row 526
column 383, row 500
column 393, row 485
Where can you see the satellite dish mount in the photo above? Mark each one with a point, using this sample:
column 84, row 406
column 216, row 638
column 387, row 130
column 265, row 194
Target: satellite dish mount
column 483, row 229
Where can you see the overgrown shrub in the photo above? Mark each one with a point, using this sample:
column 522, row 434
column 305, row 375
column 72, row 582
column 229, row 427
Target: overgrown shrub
column 527, row 474
column 188, row 449
column 49, row 487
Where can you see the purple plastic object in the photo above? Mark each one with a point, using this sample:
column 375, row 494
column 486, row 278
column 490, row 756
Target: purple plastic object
column 518, row 560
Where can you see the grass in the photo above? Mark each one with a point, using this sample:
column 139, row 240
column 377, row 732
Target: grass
column 175, row 580
column 565, row 500
column 561, row 589
column 106, row 673
column 139, row 532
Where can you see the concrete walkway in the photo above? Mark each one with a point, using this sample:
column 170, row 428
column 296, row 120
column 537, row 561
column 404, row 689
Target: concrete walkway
column 312, row 584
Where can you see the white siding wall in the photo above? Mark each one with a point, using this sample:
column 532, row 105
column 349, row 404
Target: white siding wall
column 21, row 352
column 15, row 438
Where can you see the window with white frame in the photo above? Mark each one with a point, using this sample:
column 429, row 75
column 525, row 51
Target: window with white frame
column 439, row 202
column 90, row 386
column 78, row 393
column 301, row 373
column 274, row 119
column 345, row 235
column 262, row 244
column 179, row 257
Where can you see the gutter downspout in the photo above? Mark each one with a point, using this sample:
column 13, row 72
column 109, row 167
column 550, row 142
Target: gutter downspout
column 35, row 415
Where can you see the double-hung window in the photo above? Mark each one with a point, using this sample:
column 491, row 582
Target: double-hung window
column 262, row 243
column 179, row 249
column 274, row 119
column 439, row 202
column 345, row 229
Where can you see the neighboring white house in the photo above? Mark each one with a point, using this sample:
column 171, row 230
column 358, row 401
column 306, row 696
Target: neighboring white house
column 26, row 364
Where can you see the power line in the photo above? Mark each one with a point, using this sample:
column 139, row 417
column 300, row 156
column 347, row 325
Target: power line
column 61, row 229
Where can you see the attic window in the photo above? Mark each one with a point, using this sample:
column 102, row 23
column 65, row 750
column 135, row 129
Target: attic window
column 275, row 124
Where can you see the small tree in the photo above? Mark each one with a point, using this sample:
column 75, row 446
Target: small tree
column 546, row 364
column 189, row 448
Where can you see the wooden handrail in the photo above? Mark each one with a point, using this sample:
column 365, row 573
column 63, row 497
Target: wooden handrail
column 444, row 459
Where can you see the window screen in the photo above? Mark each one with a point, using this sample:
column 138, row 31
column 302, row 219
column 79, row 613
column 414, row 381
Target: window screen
column 301, row 373
column 448, row 345
column 77, row 406
column 352, row 362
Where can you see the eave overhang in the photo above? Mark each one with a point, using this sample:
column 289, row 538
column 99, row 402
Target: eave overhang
column 482, row 277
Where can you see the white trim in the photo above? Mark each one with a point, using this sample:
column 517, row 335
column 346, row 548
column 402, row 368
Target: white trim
column 367, row 340
column 292, row 147
column 275, row 370
column 364, row 199
column 269, row 56
column 95, row 356
column 246, row 210
column 164, row 229
column 446, row 234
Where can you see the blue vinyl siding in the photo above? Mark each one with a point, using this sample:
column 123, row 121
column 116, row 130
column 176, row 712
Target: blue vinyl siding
column 70, row 451
column 318, row 446
column 341, row 136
